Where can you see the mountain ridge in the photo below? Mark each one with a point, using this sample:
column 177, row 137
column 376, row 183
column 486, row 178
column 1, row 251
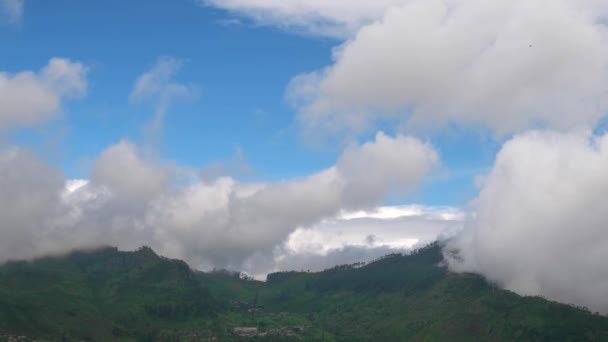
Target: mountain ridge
column 106, row 294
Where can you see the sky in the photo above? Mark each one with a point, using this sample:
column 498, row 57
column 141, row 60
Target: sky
column 240, row 70
column 267, row 135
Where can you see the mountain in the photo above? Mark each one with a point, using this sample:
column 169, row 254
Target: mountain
column 109, row 295
column 99, row 295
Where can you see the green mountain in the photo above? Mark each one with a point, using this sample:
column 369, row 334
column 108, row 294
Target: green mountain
column 100, row 295
column 107, row 295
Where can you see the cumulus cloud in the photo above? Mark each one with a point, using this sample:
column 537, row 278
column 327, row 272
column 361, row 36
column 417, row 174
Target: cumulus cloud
column 243, row 219
column 12, row 9
column 30, row 194
column 122, row 170
column 362, row 236
column 337, row 18
column 130, row 201
column 540, row 223
column 158, row 84
column 390, row 173
column 507, row 65
column 29, row 98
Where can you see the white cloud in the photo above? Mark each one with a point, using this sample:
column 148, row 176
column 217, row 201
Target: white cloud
column 403, row 228
column 540, row 223
column 158, row 84
column 123, row 171
column 131, row 201
column 158, row 81
column 30, row 194
column 337, row 18
column 357, row 236
column 241, row 220
column 505, row 64
column 29, row 98
column 393, row 212
column 13, row 9
column 392, row 171
column 75, row 184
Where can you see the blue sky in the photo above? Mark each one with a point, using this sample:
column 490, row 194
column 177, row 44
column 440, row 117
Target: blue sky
column 241, row 69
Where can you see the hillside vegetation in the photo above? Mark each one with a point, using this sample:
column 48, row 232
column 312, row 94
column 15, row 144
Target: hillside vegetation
column 139, row 296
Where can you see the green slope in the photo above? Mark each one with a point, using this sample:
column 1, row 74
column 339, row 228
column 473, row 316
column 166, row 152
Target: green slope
column 99, row 295
column 108, row 295
column 411, row 298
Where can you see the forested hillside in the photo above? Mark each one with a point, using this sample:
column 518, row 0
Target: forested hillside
column 107, row 295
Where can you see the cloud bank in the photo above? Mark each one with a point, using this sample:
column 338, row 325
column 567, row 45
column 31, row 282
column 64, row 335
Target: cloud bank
column 28, row 98
column 540, row 226
column 131, row 200
column 505, row 65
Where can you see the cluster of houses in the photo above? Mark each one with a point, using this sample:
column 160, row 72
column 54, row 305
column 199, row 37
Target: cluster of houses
column 293, row 331
column 17, row 338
